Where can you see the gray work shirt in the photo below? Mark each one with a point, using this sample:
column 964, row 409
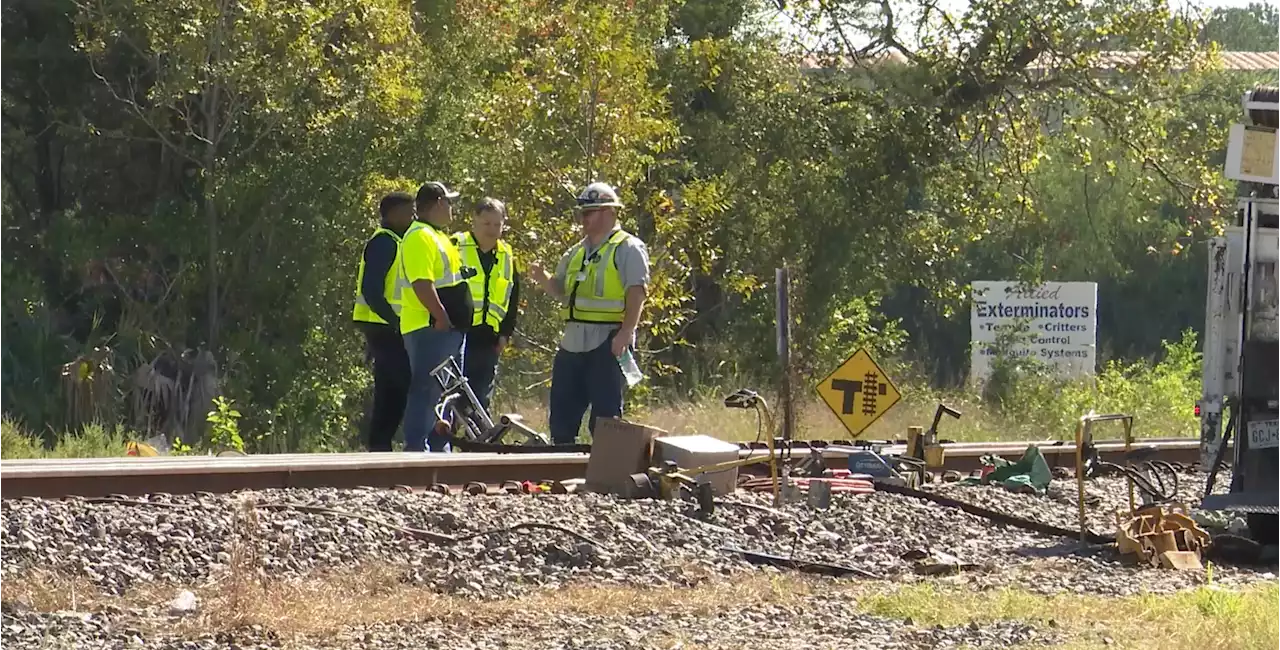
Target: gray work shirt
column 632, row 259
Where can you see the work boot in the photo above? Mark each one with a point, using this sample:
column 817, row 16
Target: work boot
column 440, row 435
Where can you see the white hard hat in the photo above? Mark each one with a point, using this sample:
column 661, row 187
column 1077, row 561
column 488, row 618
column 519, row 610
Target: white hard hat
column 598, row 195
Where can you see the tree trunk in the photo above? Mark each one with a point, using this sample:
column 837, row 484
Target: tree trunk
column 211, row 216
column 211, row 208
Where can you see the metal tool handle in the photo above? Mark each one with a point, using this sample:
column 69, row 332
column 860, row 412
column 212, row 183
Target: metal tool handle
column 937, row 416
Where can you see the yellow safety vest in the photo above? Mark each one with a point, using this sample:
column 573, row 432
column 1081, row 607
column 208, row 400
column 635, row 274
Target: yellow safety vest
column 391, row 288
column 593, row 287
column 491, row 291
column 433, row 256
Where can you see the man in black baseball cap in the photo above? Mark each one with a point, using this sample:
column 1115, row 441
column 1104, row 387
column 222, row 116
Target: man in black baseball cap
column 435, row 315
column 434, row 191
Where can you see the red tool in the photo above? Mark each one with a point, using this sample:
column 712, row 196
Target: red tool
column 847, row 485
column 853, row 485
column 845, row 474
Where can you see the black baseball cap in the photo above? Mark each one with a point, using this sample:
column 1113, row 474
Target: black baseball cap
column 434, row 191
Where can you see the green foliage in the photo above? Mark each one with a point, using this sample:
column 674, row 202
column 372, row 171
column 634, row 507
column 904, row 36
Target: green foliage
column 14, row 443
column 31, row 368
column 224, row 430
column 179, row 448
column 1007, row 368
column 91, row 442
column 1159, row 395
column 1206, row 616
column 1251, row 28
column 201, row 175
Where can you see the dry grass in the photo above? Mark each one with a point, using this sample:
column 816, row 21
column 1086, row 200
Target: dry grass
column 1160, row 397
column 321, row 606
column 814, row 421
column 318, row 607
column 48, row 591
column 324, row 605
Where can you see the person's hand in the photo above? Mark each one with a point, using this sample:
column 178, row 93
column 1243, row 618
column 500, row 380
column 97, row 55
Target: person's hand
column 501, row 344
column 539, row 275
column 620, row 342
column 443, row 325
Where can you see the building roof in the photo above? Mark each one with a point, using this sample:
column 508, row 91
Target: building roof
column 1239, row 61
column 1251, row 60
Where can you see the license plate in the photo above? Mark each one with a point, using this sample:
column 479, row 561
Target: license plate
column 1262, row 435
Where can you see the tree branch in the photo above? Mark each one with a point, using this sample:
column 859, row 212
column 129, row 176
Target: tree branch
column 142, row 116
column 889, row 34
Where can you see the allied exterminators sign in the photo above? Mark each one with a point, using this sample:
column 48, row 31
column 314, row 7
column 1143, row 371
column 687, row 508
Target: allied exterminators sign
column 1055, row 323
column 858, row 392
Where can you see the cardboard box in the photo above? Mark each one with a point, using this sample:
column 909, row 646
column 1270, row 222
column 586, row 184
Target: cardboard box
column 618, row 450
column 690, row 452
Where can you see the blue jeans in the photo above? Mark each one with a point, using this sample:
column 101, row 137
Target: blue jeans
column 427, row 348
column 581, row 379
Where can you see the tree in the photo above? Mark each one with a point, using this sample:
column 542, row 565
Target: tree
column 1252, row 28
column 264, row 110
column 213, row 81
column 210, row 171
column 976, row 110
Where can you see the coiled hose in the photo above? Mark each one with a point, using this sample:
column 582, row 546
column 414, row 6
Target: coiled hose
column 1160, row 487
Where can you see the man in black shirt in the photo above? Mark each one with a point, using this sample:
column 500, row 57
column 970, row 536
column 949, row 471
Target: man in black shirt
column 377, row 312
column 495, row 292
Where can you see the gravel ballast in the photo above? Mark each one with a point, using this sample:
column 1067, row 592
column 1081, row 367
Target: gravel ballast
column 193, row 538
column 818, row 623
column 646, row 543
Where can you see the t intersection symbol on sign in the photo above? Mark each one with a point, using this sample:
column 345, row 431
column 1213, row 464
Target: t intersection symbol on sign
column 858, row 375
column 852, row 387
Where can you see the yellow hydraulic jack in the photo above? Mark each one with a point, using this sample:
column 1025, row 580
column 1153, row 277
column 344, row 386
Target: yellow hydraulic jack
column 670, row 481
column 924, row 446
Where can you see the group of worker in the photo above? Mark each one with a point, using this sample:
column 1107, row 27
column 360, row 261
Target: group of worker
column 424, row 294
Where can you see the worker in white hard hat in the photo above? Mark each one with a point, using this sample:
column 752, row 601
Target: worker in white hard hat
column 602, row 281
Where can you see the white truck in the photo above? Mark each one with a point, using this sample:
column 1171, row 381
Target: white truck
column 1240, row 337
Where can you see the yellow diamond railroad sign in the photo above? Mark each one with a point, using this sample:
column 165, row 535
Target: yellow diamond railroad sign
column 858, row 392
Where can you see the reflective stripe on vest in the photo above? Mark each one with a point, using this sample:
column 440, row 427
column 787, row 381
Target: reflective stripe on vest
column 593, row 286
column 362, row 312
column 491, row 291
column 450, row 265
column 450, row 260
column 402, row 281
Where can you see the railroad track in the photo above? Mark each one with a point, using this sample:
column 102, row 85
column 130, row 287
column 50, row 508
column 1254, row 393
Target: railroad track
column 96, row 477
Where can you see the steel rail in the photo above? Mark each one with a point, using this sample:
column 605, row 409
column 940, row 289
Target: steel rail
column 396, row 458
column 94, row 477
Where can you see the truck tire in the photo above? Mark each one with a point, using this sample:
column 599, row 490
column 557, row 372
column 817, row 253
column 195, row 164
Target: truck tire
column 1262, row 527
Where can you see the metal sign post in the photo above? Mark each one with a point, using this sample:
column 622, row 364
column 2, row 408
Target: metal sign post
column 783, row 280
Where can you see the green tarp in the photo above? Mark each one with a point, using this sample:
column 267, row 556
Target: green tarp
column 1030, row 474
